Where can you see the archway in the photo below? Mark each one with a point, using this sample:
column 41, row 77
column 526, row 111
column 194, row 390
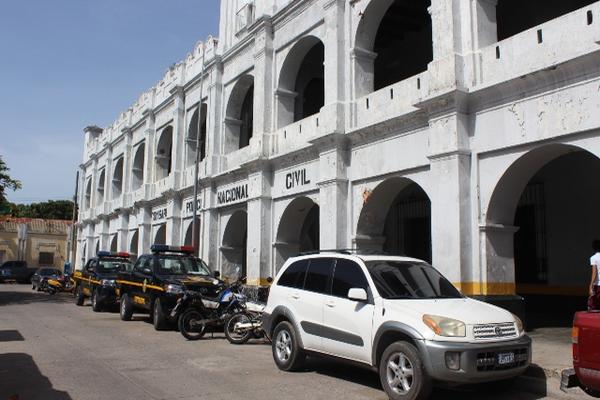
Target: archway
column 97, row 247
column 87, row 197
column 514, row 16
column 393, row 42
column 298, row 230
column 301, row 88
column 239, row 117
column 133, row 244
column 235, row 238
column 192, row 136
column 549, row 220
column 117, row 180
column 100, row 187
column 396, row 218
column 161, row 234
column 164, row 153
column 189, row 236
column 113, row 243
column 137, row 171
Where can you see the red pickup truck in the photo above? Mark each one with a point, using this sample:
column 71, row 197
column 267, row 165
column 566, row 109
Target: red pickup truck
column 586, row 354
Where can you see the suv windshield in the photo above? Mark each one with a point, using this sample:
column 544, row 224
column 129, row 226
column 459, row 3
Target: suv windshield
column 178, row 265
column 108, row 266
column 48, row 272
column 410, row 280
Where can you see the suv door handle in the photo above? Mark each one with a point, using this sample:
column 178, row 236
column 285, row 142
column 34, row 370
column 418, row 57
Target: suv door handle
column 330, row 304
column 295, row 296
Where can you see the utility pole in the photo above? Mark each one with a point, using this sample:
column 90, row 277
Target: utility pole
column 197, row 165
column 73, row 239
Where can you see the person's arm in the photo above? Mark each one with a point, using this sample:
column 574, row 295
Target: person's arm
column 594, row 274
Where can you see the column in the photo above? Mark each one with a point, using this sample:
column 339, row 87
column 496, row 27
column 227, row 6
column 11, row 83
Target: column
column 258, row 250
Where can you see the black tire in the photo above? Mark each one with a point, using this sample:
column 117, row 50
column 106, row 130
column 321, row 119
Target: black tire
column 185, row 328
column 125, row 308
column 286, row 350
column 231, row 335
column 591, row 392
column 402, row 373
column 96, row 306
column 159, row 318
column 79, row 297
column 33, row 286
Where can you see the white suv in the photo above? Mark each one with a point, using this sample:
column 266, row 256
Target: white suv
column 396, row 315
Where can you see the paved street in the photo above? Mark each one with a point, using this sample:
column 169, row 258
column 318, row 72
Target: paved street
column 51, row 349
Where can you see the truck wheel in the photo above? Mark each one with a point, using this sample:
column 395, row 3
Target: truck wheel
column 402, row 373
column 159, row 319
column 125, row 308
column 286, row 350
column 95, row 303
column 591, row 392
column 79, row 297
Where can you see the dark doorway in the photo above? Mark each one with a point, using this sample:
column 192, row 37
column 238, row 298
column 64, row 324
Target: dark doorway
column 247, row 118
column 310, row 83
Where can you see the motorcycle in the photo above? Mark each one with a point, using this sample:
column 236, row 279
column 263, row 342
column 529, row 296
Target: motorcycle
column 53, row 286
column 247, row 323
column 195, row 312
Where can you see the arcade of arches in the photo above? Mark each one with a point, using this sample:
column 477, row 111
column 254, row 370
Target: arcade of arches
column 298, row 230
column 234, row 244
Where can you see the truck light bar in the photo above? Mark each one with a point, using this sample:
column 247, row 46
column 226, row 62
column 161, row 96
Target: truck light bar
column 120, row 254
column 161, row 248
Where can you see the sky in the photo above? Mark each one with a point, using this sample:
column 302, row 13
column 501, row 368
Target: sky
column 67, row 64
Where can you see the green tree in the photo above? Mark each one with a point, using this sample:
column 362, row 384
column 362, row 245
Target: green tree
column 61, row 209
column 6, row 183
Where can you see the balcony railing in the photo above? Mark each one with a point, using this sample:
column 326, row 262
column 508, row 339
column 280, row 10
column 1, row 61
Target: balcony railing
column 296, row 135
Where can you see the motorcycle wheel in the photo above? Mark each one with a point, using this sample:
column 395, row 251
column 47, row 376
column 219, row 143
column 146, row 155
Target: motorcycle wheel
column 185, row 325
column 230, row 333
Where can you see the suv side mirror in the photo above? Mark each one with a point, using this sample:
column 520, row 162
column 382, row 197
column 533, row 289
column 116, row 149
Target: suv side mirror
column 357, row 294
column 217, row 274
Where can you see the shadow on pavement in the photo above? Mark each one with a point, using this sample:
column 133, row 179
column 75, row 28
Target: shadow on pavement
column 11, row 336
column 536, row 389
column 15, row 298
column 21, row 379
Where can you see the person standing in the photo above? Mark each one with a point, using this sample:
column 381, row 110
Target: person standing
column 594, row 299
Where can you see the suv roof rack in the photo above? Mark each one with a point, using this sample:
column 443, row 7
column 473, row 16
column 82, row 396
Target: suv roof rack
column 346, row 251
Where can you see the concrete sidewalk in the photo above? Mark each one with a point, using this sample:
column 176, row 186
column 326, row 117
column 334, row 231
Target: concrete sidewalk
column 552, row 353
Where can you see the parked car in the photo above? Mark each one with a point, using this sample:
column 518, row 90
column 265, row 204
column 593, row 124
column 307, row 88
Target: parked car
column 17, row 271
column 396, row 315
column 586, row 354
column 43, row 274
column 159, row 279
column 98, row 279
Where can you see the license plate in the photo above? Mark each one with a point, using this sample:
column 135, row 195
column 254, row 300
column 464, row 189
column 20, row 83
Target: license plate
column 506, row 358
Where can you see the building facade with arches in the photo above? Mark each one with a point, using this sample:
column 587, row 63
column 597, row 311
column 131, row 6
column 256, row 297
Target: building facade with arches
column 448, row 130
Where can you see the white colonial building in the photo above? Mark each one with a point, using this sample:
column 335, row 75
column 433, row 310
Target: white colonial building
column 463, row 132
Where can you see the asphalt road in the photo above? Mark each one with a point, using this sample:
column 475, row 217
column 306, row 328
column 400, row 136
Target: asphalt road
column 51, row 349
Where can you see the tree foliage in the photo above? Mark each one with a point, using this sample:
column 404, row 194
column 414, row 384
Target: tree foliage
column 6, row 182
column 61, row 209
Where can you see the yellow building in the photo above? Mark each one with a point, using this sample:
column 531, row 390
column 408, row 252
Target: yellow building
column 40, row 242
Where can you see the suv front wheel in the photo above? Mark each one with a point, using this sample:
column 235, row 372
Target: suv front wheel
column 402, row 373
column 125, row 308
column 286, row 351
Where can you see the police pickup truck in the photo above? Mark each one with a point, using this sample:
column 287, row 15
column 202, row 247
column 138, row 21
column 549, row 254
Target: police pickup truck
column 98, row 278
column 159, row 279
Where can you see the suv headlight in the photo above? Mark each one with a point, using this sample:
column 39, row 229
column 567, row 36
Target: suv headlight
column 519, row 324
column 443, row 326
column 108, row 282
column 174, row 289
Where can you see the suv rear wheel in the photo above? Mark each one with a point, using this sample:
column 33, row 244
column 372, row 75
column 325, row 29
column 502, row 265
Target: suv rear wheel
column 402, row 374
column 286, row 351
column 125, row 308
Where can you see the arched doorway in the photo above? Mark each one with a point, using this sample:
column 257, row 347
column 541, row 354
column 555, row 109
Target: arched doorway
column 87, row 198
column 301, row 88
column 189, row 236
column 161, row 234
column 547, row 199
column 113, row 243
column 239, row 117
column 192, row 136
column 298, row 230
column 393, row 43
column 117, row 180
column 233, row 247
column 133, row 244
column 164, row 153
column 97, row 247
column 137, row 171
column 396, row 218
column 100, row 187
